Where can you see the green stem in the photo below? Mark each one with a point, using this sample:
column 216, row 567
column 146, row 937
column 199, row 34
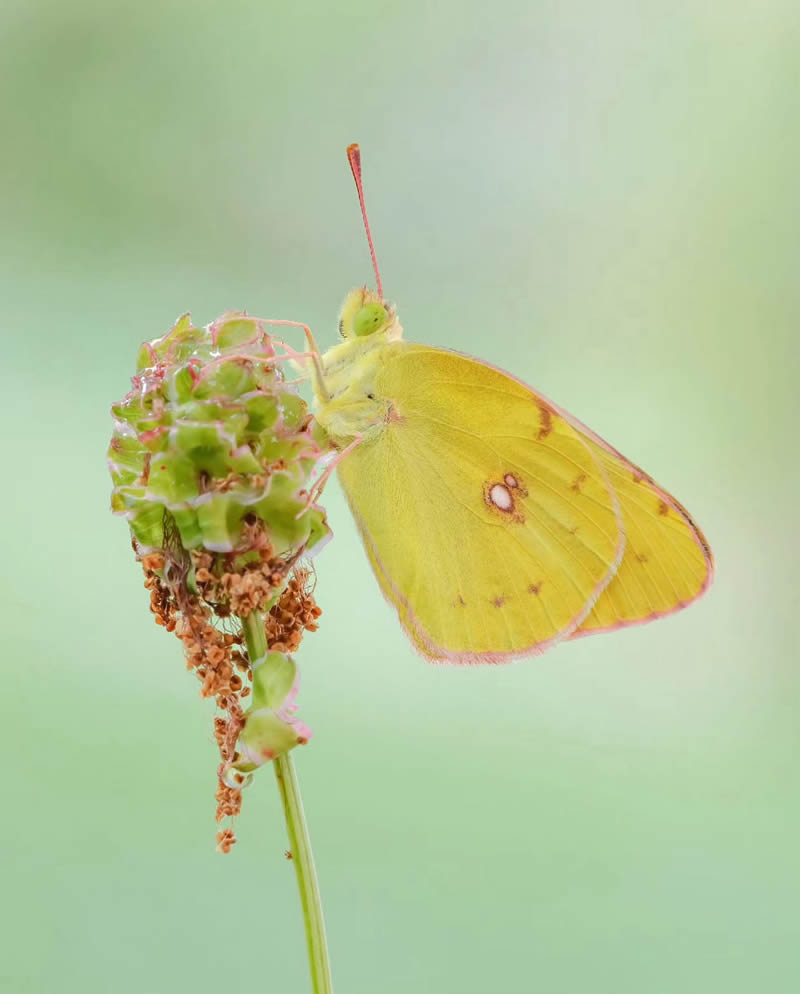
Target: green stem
column 299, row 841
column 306, row 875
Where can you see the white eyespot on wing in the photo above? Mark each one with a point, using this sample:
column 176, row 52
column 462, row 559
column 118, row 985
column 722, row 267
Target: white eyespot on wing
column 505, row 498
column 500, row 496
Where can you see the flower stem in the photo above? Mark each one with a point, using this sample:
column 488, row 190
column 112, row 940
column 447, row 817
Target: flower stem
column 306, row 875
column 299, row 841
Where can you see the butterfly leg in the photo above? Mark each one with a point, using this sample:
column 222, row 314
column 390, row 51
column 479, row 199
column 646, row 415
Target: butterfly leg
column 319, row 485
column 314, row 353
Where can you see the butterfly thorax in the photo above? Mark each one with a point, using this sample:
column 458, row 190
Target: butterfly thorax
column 348, row 401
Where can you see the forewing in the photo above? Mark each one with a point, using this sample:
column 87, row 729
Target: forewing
column 489, row 521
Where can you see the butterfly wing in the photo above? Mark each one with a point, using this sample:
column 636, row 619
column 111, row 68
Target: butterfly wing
column 667, row 562
column 489, row 521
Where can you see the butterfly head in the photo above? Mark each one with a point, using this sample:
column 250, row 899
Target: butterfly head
column 365, row 313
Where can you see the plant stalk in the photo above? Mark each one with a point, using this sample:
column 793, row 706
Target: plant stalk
column 299, row 841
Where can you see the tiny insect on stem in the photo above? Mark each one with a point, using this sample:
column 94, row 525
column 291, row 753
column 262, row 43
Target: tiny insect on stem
column 354, row 158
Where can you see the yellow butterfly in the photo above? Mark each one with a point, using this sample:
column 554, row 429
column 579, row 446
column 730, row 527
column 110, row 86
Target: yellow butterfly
column 496, row 523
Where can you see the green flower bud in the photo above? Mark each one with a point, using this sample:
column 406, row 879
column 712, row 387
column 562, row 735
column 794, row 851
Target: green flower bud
column 270, row 728
column 213, row 434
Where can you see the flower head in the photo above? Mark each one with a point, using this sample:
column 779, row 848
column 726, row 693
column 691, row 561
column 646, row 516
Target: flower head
column 212, row 433
column 212, row 457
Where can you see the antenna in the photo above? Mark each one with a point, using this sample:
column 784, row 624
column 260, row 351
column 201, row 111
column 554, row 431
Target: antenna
column 354, row 158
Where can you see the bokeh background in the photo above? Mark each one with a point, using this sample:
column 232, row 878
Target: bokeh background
column 601, row 198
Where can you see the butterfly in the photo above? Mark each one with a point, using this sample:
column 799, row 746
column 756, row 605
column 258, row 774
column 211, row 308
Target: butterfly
column 496, row 523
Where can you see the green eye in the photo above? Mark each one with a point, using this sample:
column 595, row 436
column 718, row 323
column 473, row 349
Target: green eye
column 369, row 319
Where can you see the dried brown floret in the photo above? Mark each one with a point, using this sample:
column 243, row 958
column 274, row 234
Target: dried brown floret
column 228, row 583
column 225, row 840
column 229, row 800
column 295, row 613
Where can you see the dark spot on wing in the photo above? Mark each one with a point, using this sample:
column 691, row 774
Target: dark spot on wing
column 545, row 421
column 578, row 482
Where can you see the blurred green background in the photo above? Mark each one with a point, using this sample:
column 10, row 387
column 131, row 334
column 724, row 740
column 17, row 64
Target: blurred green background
column 601, row 198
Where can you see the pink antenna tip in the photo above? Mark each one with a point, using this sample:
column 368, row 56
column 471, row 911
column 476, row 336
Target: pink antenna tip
column 354, row 158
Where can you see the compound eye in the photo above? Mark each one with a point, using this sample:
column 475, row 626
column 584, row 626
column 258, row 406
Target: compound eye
column 369, row 319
